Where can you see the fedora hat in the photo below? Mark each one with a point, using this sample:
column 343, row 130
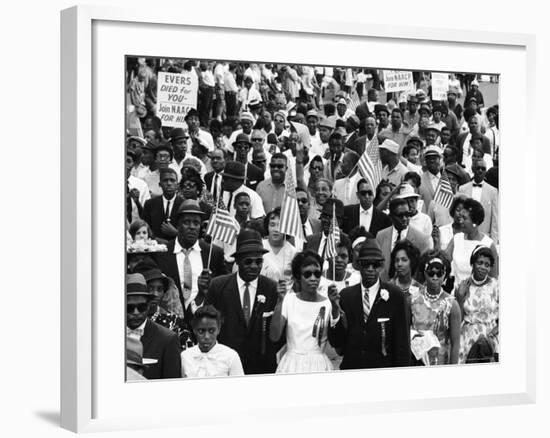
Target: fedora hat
column 242, row 138
column 136, row 285
column 406, row 191
column 233, row 169
column 190, row 206
column 249, row 241
column 370, row 250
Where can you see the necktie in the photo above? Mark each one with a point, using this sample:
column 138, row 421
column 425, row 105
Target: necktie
column 366, row 304
column 167, row 212
column 187, row 274
column 214, row 188
column 246, row 304
column 304, row 230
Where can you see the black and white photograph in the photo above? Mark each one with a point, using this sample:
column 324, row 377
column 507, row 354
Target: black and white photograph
column 289, row 218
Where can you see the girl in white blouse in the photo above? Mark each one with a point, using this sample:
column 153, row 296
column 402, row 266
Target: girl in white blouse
column 209, row 358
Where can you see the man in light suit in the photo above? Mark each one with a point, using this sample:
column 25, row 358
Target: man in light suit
column 487, row 195
column 159, row 343
column 372, row 329
column 430, row 178
column 388, row 237
column 364, row 213
column 245, row 299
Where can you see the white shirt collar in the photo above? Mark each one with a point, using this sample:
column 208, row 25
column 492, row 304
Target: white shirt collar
column 241, row 282
column 362, row 210
column 178, row 248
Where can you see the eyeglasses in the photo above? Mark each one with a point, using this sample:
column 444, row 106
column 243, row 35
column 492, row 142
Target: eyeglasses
column 365, row 264
column 319, row 168
column 141, row 307
column 435, row 273
column 366, row 193
column 277, row 166
column 242, row 146
column 163, row 157
column 257, row 139
column 259, row 161
column 308, row 274
column 249, row 260
column 405, row 214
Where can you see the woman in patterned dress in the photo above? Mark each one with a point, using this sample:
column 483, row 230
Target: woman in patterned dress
column 435, row 313
column 478, row 298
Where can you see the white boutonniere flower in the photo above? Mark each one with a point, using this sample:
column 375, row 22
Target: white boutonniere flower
column 384, row 294
column 260, row 299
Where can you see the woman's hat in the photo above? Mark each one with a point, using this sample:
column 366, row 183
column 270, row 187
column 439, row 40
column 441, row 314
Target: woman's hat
column 233, row 169
column 370, row 250
column 249, row 241
column 136, row 285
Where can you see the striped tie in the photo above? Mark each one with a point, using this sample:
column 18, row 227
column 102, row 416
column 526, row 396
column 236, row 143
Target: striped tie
column 366, row 304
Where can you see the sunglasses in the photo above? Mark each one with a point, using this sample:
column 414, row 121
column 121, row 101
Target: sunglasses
column 435, row 273
column 277, row 166
column 308, row 274
column 366, row 193
column 404, row 215
column 249, row 260
column 141, row 307
column 368, row 263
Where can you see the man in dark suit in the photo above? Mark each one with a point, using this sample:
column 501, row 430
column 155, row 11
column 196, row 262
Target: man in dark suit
column 246, row 301
column 242, row 147
column 364, row 213
column 318, row 242
column 213, row 180
column 159, row 343
column 187, row 256
column 368, row 139
column 372, row 329
column 160, row 212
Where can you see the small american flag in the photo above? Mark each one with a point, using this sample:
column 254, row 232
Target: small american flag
column 444, row 192
column 333, row 235
column 290, row 222
column 370, row 165
column 222, row 226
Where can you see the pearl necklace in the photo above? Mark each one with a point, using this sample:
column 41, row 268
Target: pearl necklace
column 432, row 298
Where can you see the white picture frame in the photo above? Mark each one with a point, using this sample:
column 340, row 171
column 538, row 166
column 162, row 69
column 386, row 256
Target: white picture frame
column 93, row 398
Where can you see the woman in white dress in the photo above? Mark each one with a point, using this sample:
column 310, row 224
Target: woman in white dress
column 305, row 317
column 280, row 252
column 463, row 244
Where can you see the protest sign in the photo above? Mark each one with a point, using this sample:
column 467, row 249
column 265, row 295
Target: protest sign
column 176, row 95
column 440, row 86
column 396, row 80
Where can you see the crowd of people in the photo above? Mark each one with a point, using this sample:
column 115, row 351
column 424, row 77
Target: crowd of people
column 411, row 280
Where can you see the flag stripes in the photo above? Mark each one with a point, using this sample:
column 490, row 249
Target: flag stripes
column 370, row 165
column 290, row 222
column 222, row 226
column 444, row 192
